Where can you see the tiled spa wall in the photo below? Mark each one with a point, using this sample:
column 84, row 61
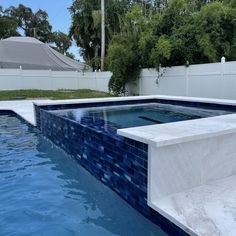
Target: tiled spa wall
column 118, row 162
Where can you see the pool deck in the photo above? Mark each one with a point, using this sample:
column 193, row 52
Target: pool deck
column 207, row 209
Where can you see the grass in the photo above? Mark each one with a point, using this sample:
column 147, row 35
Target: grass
column 50, row 94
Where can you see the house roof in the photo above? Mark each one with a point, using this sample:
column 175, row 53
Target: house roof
column 30, row 53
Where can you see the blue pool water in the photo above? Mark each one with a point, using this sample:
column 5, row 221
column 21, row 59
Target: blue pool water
column 45, row 192
column 126, row 116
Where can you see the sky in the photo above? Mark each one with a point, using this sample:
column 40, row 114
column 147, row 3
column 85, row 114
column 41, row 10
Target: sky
column 59, row 16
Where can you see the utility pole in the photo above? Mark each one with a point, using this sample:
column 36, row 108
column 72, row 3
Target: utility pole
column 103, row 34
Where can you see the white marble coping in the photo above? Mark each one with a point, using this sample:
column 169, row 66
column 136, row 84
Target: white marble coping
column 113, row 99
column 182, row 131
column 92, row 100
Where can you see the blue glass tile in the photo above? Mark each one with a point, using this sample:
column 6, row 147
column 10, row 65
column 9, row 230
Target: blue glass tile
column 119, row 162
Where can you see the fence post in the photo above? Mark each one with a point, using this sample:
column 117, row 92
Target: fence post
column 139, row 83
column 21, row 78
column 77, row 79
column 187, row 81
column 51, row 78
column 96, row 80
column 222, row 95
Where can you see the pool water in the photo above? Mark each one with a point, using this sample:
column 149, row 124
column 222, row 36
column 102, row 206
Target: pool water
column 45, row 192
column 126, row 116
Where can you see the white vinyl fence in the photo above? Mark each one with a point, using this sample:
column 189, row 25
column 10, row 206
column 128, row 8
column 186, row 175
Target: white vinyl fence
column 15, row 79
column 215, row 80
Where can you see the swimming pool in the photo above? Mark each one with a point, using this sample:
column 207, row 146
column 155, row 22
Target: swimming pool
column 45, row 192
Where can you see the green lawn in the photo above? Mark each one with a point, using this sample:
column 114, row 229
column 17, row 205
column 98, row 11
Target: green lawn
column 49, row 94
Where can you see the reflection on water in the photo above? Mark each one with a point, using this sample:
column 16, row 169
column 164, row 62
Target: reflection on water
column 45, row 192
column 126, row 116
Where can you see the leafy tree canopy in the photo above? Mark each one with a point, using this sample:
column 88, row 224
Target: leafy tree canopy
column 62, row 41
column 171, row 33
column 33, row 24
column 8, row 25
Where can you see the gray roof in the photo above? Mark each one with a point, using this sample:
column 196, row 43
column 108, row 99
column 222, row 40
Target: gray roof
column 30, row 53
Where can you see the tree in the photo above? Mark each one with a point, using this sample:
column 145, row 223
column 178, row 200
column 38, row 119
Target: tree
column 8, row 25
column 216, row 31
column 161, row 52
column 123, row 57
column 174, row 15
column 86, row 28
column 62, row 41
column 123, row 62
column 70, row 55
column 33, row 24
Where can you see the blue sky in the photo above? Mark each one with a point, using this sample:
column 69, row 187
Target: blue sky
column 59, row 16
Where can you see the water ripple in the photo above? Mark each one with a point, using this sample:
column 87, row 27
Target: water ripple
column 44, row 192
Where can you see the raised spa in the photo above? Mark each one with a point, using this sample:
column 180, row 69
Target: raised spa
column 147, row 149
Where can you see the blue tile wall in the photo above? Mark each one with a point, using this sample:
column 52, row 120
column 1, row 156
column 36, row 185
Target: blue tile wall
column 118, row 162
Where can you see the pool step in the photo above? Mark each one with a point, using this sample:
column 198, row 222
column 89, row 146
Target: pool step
column 150, row 119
